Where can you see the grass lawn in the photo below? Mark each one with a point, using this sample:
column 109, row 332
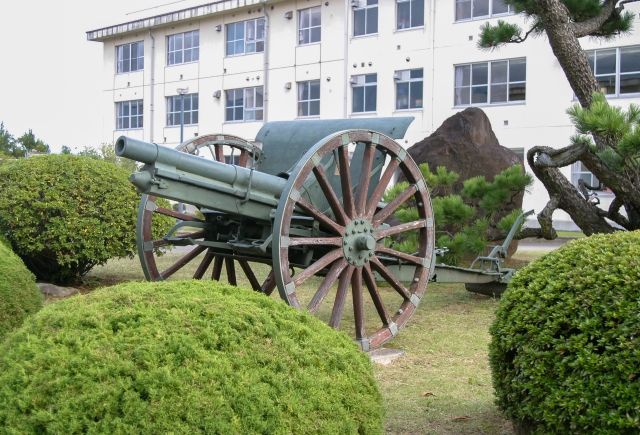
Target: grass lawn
column 442, row 385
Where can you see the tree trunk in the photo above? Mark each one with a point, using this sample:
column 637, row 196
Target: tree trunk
column 567, row 197
column 566, row 47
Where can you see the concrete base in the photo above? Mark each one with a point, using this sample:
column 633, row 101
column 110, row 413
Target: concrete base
column 385, row 356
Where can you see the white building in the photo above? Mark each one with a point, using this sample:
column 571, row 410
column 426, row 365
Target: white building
column 245, row 62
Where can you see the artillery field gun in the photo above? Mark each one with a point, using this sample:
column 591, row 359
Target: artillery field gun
column 307, row 195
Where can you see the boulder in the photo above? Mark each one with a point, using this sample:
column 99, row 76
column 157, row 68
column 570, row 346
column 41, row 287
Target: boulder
column 54, row 290
column 466, row 145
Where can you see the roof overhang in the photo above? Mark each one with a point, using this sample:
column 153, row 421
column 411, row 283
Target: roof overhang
column 171, row 18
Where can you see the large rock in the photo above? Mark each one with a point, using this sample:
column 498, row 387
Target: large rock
column 465, row 144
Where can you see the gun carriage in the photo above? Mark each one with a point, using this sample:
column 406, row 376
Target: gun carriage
column 307, row 196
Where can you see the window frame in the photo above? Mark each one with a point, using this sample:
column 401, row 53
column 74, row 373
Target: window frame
column 309, row 100
column 120, row 118
column 310, row 27
column 366, row 9
column 364, row 86
column 617, row 73
column 409, row 81
column 139, row 58
column 182, row 51
column 411, row 7
column 190, row 112
column 481, row 17
column 244, row 40
column 255, row 109
column 488, row 84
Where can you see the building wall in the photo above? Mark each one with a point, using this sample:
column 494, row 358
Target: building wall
column 436, row 47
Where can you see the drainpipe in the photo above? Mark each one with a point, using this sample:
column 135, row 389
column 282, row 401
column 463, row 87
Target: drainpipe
column 433, row 57
column 265, row 85
column 151, row 108
column 346, row 58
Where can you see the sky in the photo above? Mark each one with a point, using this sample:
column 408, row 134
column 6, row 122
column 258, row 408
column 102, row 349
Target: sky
column 50, row 74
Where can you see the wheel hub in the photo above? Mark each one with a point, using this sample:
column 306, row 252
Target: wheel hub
column 359, row 242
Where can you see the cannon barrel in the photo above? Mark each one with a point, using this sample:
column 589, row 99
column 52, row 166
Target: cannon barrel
column 153, row 154
column 188, row 178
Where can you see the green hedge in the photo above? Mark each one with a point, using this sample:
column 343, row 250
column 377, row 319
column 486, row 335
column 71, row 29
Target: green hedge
column 65, row 214
column 186, row 357
column 20, row 297
column 565, row 349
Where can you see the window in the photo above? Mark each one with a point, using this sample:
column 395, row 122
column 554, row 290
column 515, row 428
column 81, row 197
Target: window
column 129, row 114
column 617, row 70
column 408, row 89
column 497, row 82
column 130, row 57
column 364, row 92
column 580, row 172
column 174, row 108
column 245, row 37
column 479, row 9
column 244, row 104
column 183, row 47
column 309, row 98
column 365, row 18
column 309, row 20
column 410, row 14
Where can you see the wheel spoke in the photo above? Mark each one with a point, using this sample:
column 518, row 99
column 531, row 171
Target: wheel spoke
column 358, row 303
column 381, row 187
column 370, row 281
column 409, row 258
column 175, row 214
column 219, row 153
column 217, row 268
column 399, row 229
column 318, row 266
column 269, row 284
column 345, row 180
column 182, row 262
column 363, row 182
column 204, row 265
column 379, row 217
column 246, row 268
column 321, row 217
column 330, row 194
column 324, row 288
column 231, row 270
column 331, row 241
column 244, row 158
column 341, row 296
column 388, row 276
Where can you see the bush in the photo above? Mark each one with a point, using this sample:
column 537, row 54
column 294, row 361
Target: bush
column 65, row 214
column 187, row 357
column 20, row 297
column 565, row 346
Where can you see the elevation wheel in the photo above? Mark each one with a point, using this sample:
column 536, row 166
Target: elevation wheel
column 196, row 228
column 356, row 233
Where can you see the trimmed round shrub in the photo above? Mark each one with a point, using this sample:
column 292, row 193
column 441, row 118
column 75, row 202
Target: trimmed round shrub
column 20, row 297
column 65, row 214
column 565, row 349
column 187, row 357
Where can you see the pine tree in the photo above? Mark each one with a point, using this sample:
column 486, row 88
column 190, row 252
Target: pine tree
column 465, row 224
column 598, row 144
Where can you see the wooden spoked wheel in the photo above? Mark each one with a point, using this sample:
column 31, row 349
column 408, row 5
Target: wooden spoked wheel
column 246, row 155
column 355, row 235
